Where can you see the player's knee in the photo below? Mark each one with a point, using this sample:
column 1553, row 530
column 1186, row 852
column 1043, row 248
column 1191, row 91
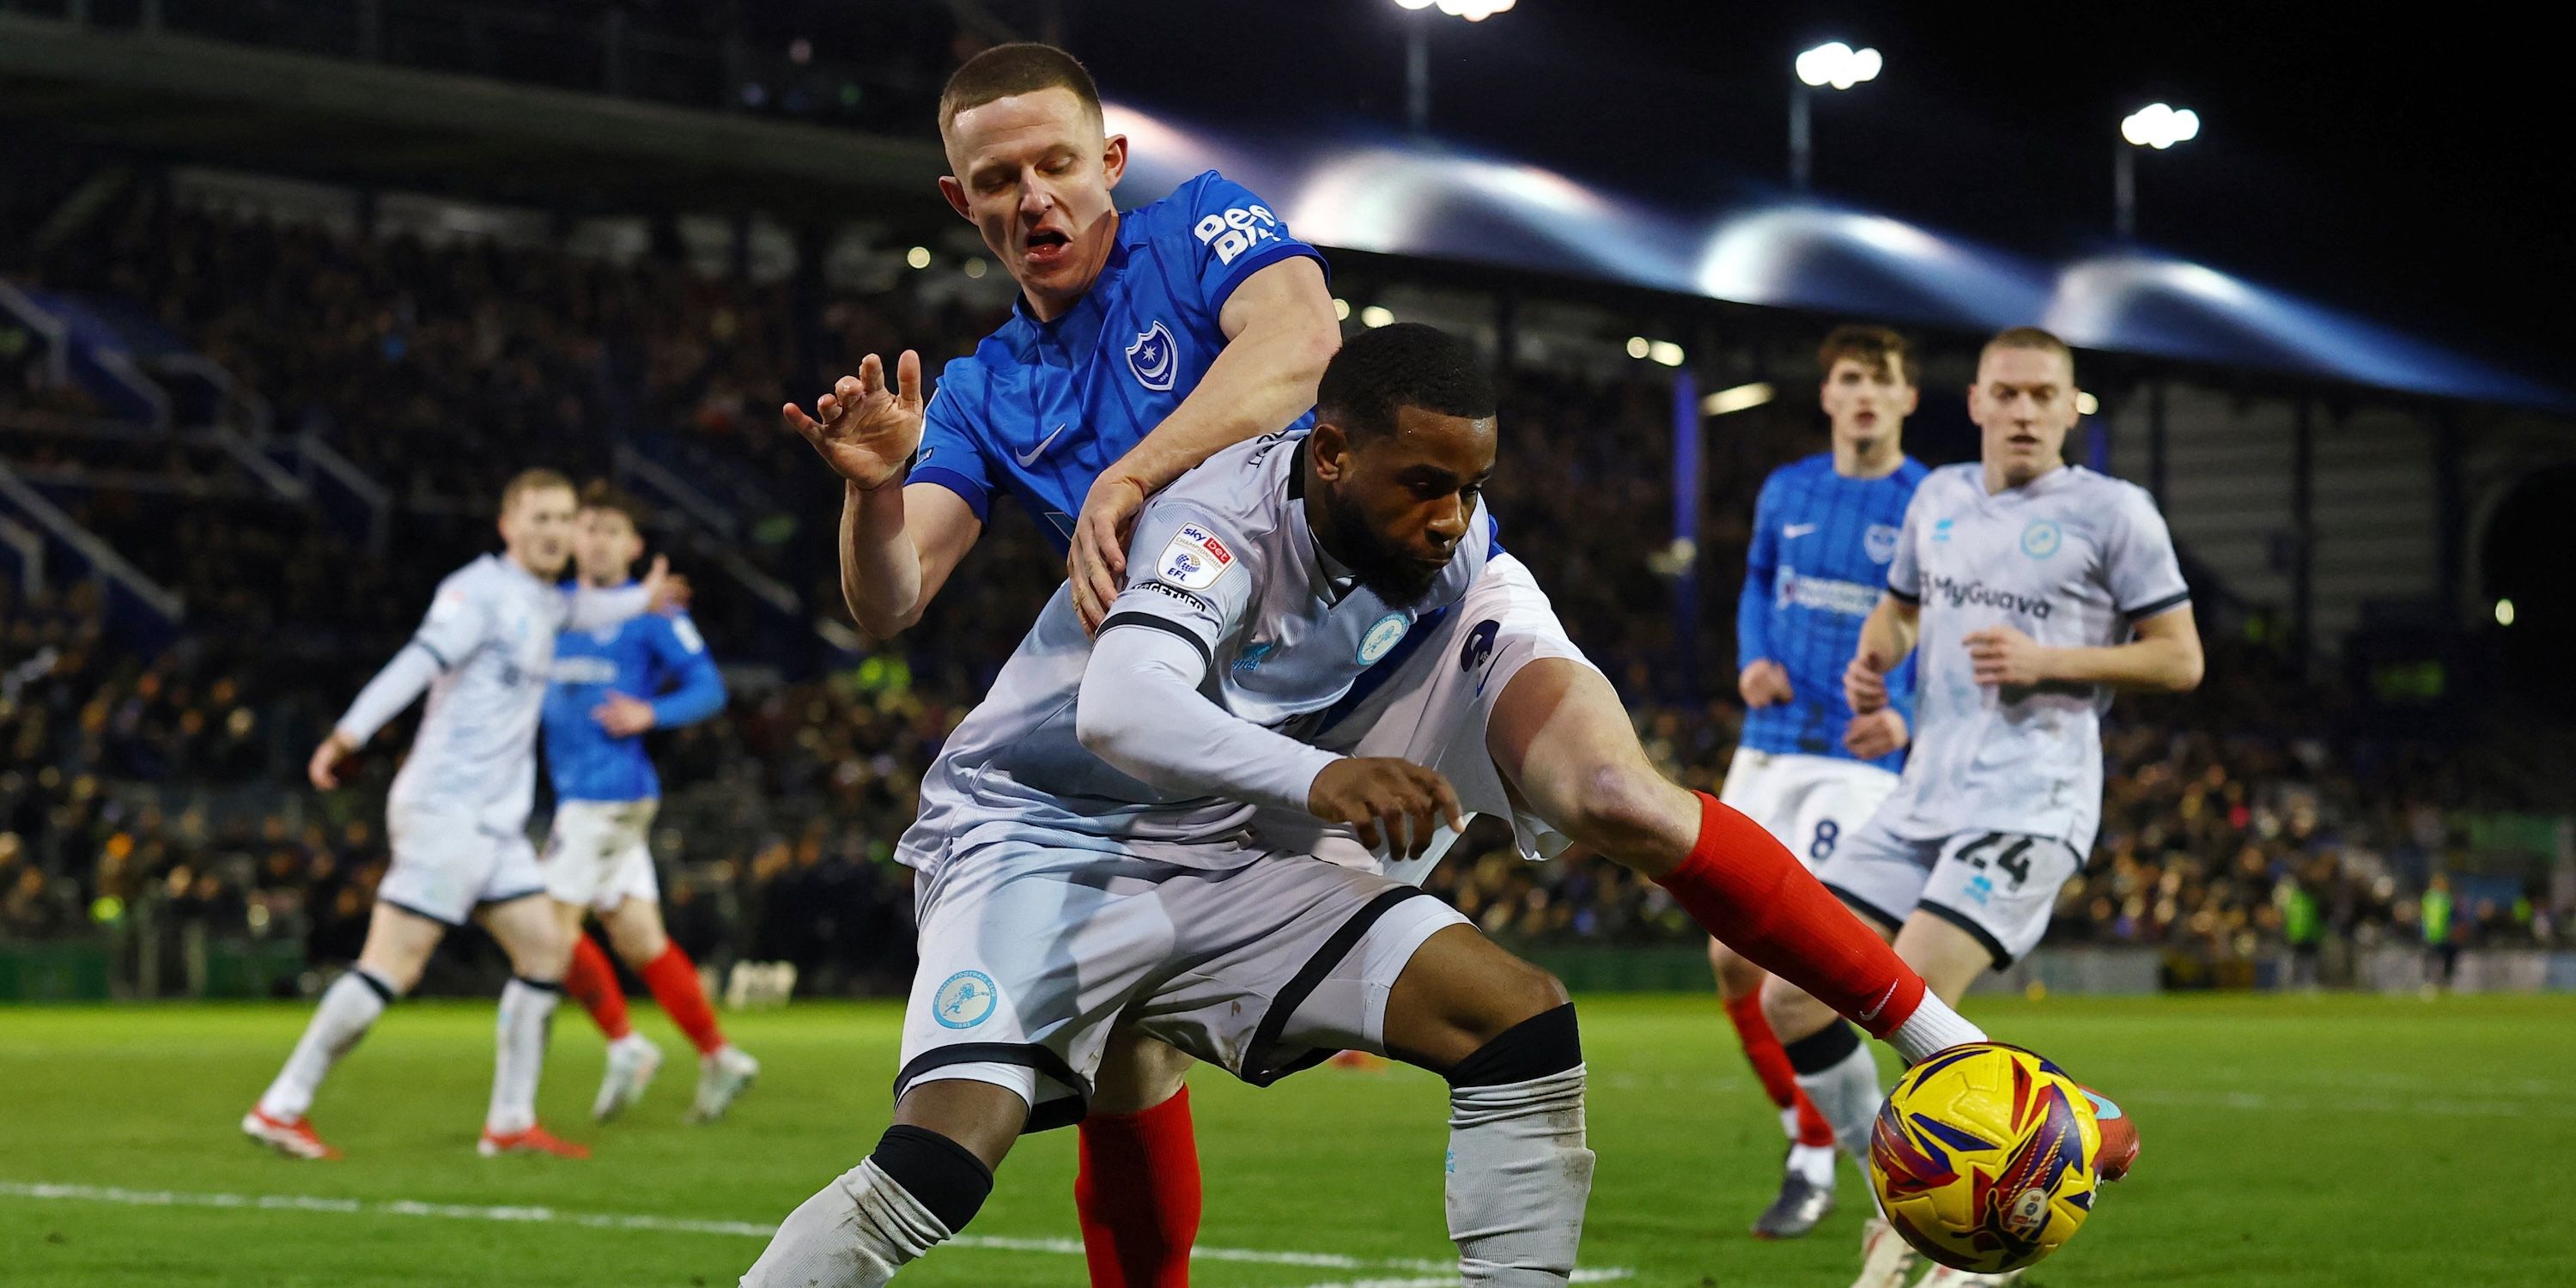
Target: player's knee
column 1632, row 814
column 1544, row 1045
column 944, row 1177
column 1514, row 992
column 1791, row 1013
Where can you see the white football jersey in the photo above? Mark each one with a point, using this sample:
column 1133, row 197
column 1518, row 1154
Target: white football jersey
column 492, row 629
column 1234, row 570
column 2071, row 559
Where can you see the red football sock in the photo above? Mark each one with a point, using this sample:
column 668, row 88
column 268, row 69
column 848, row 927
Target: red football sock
column 674, row 981
column 593, row 983
column 1741, row 885
column 1771, row 1065
column 1138, row 1196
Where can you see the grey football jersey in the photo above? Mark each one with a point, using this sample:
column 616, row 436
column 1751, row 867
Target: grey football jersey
column 1225, row 559
column 2071, row 559
column 492, row 628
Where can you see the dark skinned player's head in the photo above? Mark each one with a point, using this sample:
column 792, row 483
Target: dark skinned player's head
column 1403, row 444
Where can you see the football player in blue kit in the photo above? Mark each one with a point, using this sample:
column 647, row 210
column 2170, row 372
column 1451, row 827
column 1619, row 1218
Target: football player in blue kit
column 1824, row 529
column 609, row 688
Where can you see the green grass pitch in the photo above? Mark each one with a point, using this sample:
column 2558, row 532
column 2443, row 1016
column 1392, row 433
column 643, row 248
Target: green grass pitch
column 2288, row 1141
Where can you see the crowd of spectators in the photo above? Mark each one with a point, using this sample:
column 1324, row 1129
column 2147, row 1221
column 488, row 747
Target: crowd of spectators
column 151, row 781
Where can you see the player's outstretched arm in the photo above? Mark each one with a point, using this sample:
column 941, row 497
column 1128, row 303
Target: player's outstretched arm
column 385, row 696
column 898, row 543
column 1885, row 639
column 1141, row 710
column 594, row 608
column 1280, row 331
column 2164, row 658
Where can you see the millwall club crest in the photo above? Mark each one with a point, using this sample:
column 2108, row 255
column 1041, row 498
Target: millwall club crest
column 1154, row 358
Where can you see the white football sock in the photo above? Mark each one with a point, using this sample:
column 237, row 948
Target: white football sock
column 519, row 1056
column 1932, row 1027
column 854, row 1233
column 347, row 1010
column 1848, row 1095
column 1815, row 1162
column 1519, row 1175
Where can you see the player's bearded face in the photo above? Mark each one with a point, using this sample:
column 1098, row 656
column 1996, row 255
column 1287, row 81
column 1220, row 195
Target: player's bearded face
column 1034, row 173
column 1400, row 504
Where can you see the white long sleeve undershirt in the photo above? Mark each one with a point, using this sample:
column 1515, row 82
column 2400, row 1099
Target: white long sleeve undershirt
column 385, row 696
column 1140, row 709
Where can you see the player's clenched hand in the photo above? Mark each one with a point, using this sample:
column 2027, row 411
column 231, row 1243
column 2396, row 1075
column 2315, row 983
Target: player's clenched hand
column 864, row 429
column 1764, row 683
column 1394, row 804
column 1876, row 734
column 2005, row 656
column 1098, row 564
column 323, row 770
column 624, row 717
column 665, row 591
column 1865, row 683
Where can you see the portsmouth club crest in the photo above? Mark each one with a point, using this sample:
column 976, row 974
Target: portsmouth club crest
column 1155, row 358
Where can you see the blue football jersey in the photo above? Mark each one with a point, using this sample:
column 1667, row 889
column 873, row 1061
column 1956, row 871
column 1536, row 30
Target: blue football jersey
column 660, row 659
column 1821, row 547
column 1041, row 408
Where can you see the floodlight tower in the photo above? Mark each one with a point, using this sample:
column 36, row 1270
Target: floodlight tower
column 1832, row 64
column 2158, row 126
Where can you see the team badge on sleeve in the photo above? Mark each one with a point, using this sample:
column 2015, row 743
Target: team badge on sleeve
column 1194, row 559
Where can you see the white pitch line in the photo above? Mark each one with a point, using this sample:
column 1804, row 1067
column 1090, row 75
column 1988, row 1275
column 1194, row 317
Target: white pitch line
column 745, row 1229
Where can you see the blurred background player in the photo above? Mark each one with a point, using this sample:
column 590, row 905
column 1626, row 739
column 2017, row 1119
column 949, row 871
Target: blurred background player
column 2034, row 589
column 611, row 686
column 1141, row 342
column 458, row 813
column 1807, row 770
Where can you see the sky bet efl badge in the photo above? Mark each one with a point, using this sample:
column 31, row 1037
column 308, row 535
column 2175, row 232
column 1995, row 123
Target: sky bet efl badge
column 1194, row 559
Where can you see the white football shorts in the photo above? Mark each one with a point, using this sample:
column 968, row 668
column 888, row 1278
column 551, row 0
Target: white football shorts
column 1431, row 708
column 1810, row 802
column 2000, row 887
column 447, row 862
column 600, row 853
column 1030, row 953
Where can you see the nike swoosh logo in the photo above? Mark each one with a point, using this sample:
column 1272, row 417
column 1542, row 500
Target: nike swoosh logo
column 1031, row 458
column 1797, row 530
column 1870, row 1016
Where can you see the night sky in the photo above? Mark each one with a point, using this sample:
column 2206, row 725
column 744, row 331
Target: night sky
column 2410, row 169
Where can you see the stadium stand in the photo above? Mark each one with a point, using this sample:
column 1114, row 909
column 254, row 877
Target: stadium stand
column 146, row 797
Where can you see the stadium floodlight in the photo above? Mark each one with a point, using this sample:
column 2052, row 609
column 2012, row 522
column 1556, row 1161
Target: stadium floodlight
column 1837, row 64
column 1639, row 346
column 1740, row 398
column 2158, row 126
column 975, row 268
column 1665, row 352
column 2086, row 404
column 1341, row 309
column 1832, row 64
column 1376, row 315
column 1417, row 51
column 918, row 257
column 2504, row 612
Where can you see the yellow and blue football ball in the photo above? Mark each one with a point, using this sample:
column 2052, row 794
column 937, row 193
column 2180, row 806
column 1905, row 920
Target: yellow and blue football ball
column 1984, row 1156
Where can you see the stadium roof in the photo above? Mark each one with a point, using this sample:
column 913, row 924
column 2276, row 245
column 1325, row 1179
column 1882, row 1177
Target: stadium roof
column 1405, row 197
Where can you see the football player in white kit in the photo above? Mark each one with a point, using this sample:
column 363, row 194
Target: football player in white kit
column 458, row 812
column 2029, row 590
